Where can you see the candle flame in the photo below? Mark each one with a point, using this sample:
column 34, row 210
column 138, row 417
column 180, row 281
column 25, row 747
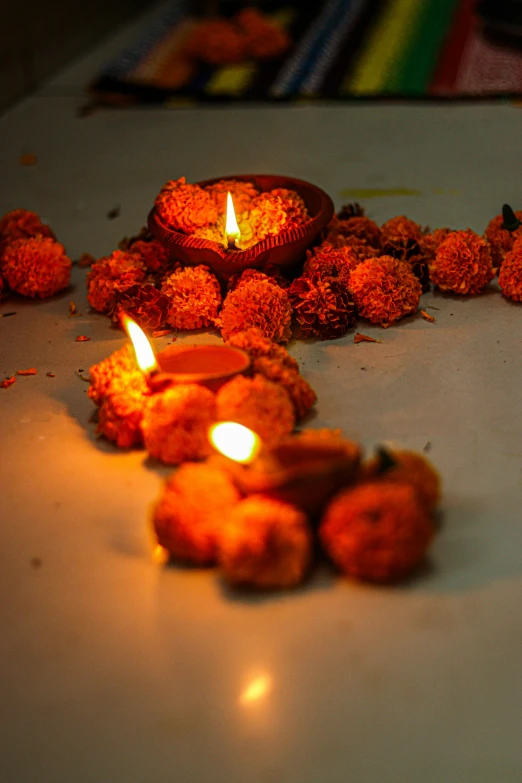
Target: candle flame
column 231, row 227
column 256, row 689
column 142, row 348
column 235, row 441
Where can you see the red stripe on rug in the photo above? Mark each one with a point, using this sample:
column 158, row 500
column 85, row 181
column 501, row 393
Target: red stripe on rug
column 445, row 77
column 488, row 68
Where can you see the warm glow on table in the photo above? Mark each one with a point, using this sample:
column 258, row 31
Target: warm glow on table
column 256, row 690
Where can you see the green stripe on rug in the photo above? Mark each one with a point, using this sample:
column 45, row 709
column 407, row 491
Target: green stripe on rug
column 413, row 71
column 381, row 52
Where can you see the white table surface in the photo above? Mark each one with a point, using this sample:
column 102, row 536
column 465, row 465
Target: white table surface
column 115, row 669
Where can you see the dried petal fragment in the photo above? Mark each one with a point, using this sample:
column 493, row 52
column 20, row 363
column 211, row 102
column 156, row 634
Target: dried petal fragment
column 364, row 338
column 427, row 316
column 7, row 382
column 30, row 371
column 82, row 338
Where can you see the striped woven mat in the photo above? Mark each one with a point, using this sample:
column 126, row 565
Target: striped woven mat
column 340, row 49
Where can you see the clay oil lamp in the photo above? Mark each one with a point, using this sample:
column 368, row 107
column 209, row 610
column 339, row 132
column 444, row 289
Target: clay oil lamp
column 304, row 473
column 207, row 365
column 282, row 249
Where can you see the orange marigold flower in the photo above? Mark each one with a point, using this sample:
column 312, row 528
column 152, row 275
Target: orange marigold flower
column 120, row 367
column 190, row 516
column 155, row 257
column 462, row 264
column 271, row 273
column 361, row 248
column 401, row 228
column 195, row 297
column 407, row 467
column 256, row 345
column 144, row 304
column 360, row 227
column 264, row 38
column 333, row 262
column 258, row 303
column 185, row 207
column 176, row 422
column 217, row 42
column 267, row 216
column 430, row 243
column 121, row 413
column 500, row 240
column 243, row 194
column 36, row 267
column 259, row 404
column 247, row 275
column 409, row 251
column 322, row 306
column 384, row 290
column 22, row 224
column 377, row 532
column 110, row 276
column 301, row 394
column 293, row 205
column 265, row 544
column 510, row 276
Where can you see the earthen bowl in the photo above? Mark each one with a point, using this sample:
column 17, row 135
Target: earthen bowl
column 301, row 473
column 206, row 365
column 283, row 249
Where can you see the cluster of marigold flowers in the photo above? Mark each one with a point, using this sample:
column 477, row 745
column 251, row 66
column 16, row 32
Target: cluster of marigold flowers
column 377, row 527
column 358, row 270
column 249, row 35
column 32, row 262
column 200, row 211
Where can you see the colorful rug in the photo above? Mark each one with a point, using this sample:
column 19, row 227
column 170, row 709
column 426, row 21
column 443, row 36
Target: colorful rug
column 341, row 49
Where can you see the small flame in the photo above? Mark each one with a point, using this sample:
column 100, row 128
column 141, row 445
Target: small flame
column 142, row 348
column 256, row 690
column 231, row 227
column 235, row 441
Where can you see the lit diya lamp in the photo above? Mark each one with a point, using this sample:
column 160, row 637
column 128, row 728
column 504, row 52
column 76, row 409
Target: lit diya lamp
column 225, row 258
column 299, row 470
column 206, row 365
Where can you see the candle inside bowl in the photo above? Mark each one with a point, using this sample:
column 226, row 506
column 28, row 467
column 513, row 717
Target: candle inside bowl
column 304, row 472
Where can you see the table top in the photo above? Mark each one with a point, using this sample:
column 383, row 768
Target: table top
column 117, row 669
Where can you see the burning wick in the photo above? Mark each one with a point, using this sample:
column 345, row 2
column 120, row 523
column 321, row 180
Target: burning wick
column 235, row 441
column 142, row 348
column 231, row 227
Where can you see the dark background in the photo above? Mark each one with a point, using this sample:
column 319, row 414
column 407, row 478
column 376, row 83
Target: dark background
column 39, row 36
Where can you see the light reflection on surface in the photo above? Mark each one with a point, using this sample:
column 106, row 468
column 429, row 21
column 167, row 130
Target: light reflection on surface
column 256, row 690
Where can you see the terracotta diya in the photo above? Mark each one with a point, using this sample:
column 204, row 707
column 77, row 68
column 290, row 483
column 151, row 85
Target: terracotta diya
column 207, row 365
column 297, row 471
column 282, row 249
